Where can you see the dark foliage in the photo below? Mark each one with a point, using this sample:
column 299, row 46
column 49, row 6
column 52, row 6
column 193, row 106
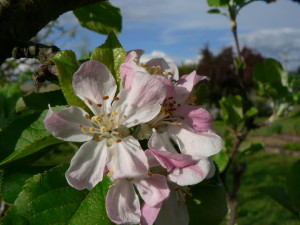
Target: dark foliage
column 223, row 76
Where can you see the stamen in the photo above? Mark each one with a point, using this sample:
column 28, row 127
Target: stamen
column 118, row 140
column 150, row 173
column 84, row 130
column 116, row 98
column 89, row 101
column 87, row 116
column 92, row 129
column 99, row 105
column 105, row 97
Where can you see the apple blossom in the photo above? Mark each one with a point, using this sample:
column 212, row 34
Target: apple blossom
column 107, row 135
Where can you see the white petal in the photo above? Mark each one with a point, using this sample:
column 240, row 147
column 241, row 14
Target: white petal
column 160, row 141
column 87, row 166
column 173, row 213
column 65, row 124
column 92, row 82
column 122, row 203
column 127, row 159
column 142, row 102
column 195, row 144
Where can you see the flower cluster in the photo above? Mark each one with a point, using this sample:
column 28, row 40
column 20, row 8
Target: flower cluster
column 153, row 105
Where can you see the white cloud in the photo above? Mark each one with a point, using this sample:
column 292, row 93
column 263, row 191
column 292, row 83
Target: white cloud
column 282, row 44
column 159, row 54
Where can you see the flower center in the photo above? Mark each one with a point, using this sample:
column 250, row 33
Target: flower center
column 107, row 127
column 166, row 115
column 155, row 70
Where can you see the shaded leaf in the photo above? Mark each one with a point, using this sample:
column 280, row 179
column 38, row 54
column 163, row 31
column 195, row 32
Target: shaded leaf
column 293, row 185
column 208, row 204
column 112, row 54
column 13, row 180
column 24, row 137
column 270, row 79
column 48, row 199
column 41, row 101
column 232, row 110
column 101, row 17
column 216, row 11
column 280, row 196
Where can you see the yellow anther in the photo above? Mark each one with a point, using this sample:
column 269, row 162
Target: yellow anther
column 84, row 130
column 164, row 73
column 114, row 113
column 95, row 118
column 87, row 116
column 103, row 129
column 92, row 129
column 150, row 173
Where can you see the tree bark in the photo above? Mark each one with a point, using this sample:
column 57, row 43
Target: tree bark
column 20, row 20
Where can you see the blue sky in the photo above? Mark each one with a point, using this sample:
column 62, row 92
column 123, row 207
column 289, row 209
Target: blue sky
column 178, row 29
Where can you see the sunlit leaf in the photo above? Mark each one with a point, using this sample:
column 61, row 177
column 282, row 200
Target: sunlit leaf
column 112, row 54
column 101, row 17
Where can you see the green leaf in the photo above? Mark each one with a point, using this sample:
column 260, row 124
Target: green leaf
column 251, row 112
column 221, row 159
column 13, row 180
column 41, row 101
column 253, row 148
column 208, row 204
column 214, row 11
column 280, row 196
column 25, row 137
column 232, row 110
column 9, row 94
column 100, row 17
column 293, row 185
column 270, row 79
column 67, row 65
column 217, row 3
column 48, row 199
column 112, row 54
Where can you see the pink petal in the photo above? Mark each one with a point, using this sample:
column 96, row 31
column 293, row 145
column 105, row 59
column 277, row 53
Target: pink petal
column 65, row 124
column 142, row 102
column 92, row 82
column 197, row 118
column 122, row 203
column 87, row 166
column 161, row 141
column 191, row 174
column 127, row 159
column 149, row 214
column 130, row 67
column 169, row 85
column 171, row 160
column 154, row 189
column 173, row 213
column 185, row 85
column 196, row 144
